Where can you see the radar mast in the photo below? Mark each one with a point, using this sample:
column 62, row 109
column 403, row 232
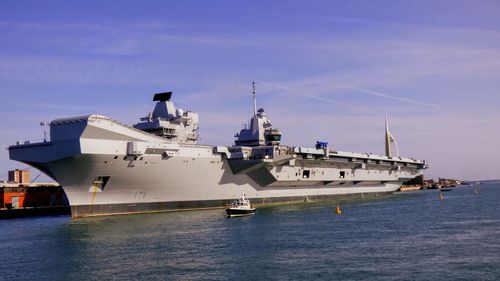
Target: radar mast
column 254, row 101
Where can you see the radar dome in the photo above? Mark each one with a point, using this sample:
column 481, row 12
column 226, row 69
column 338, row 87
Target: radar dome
column 179, row 112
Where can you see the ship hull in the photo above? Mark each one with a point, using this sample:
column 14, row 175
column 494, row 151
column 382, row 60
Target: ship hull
column 108, row 168
column 80, row 211
column 179, row 183
column 237, row 212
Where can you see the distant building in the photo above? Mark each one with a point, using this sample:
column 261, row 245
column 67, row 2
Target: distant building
column 19, row 192
column 20, row 176
column 15, row 196
column 449, row 182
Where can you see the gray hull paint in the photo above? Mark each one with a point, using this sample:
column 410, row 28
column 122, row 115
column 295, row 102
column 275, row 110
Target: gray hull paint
column 153, row 184
column 157, row 207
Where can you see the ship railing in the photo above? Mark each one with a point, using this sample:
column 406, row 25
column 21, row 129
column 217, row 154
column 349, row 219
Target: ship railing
column 194, row 145
column 100, row 117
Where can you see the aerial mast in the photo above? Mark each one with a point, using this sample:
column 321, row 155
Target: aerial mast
column 44, row 131
column 254, row 101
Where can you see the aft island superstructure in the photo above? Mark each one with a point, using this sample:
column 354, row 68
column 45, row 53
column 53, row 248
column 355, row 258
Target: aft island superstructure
column 106, row 167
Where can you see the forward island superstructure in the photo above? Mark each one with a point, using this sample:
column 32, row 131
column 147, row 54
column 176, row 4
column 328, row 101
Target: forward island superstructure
column 106, row 167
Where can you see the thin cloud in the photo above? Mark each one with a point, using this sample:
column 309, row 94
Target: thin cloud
column 117, row 38
column 341, row 103
column 378, row 94
column 330, row 100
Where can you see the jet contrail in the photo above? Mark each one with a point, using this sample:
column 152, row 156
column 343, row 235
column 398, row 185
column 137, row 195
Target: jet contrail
column 317, row 97
column 378, row 94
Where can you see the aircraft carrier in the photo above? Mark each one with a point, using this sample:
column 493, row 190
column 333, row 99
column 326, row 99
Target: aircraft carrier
column 106, row 167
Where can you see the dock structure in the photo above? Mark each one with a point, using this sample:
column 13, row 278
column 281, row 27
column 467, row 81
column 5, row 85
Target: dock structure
column 21, row 198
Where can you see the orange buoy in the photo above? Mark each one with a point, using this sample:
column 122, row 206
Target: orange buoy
column 337, row 210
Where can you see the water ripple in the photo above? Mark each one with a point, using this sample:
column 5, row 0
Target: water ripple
column 401, row 237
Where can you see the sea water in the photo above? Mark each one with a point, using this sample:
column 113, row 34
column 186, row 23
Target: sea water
column 405, row 236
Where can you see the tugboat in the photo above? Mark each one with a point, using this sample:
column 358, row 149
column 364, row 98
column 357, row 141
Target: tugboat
column 240, row 207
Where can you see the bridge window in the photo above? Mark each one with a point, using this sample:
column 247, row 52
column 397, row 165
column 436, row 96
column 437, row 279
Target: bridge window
column 273, row 137
column 306, row 174
column 342, row 174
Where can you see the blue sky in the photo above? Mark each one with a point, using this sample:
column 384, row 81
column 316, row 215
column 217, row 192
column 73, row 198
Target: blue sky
column 325, row 70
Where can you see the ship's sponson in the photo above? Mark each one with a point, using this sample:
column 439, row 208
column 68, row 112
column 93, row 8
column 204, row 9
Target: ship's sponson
column 79, row 135
column 284, row 165
column 65, row 128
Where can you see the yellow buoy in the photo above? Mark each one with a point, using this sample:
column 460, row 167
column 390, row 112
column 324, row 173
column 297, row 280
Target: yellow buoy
column 337, row 210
